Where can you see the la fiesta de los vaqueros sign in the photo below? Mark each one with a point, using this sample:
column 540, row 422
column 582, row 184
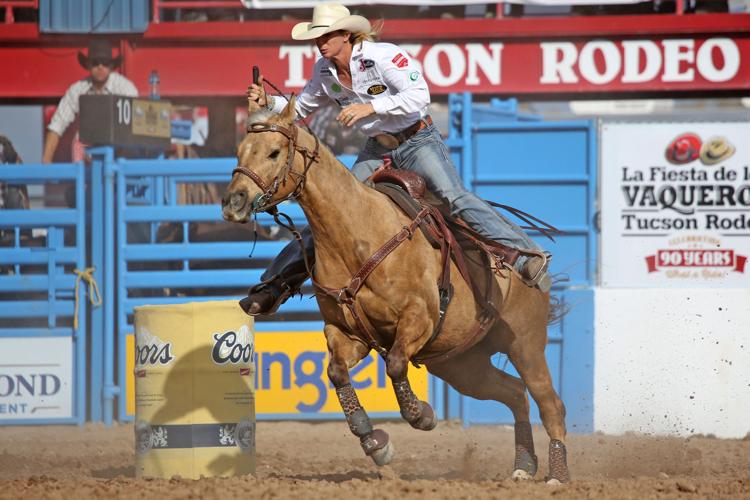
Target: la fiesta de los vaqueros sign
column 598, row 65
column 675, row 204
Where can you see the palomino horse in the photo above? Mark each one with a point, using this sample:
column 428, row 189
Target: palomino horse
column 397, row 301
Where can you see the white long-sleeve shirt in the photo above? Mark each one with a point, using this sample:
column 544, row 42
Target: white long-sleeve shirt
column 383, row 75
column 68, row 108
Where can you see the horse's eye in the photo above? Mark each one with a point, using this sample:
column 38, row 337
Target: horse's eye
column 274, row 154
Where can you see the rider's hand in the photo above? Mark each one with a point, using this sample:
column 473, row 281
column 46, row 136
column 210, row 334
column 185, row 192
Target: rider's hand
column 257, row 92
column 351, row 114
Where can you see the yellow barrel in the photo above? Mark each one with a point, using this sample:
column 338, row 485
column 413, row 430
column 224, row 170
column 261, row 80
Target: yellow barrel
column 194, row 390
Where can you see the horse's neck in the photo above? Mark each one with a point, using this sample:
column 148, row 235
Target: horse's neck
column 334, row 202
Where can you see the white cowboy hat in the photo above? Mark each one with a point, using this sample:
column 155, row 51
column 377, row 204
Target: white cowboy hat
column 715, row 150
column 329, row 17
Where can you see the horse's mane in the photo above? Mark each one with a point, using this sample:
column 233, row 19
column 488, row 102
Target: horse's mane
column 262, row 115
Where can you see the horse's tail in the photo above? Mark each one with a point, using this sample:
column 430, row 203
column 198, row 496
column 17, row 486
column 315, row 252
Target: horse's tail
column 558, row 308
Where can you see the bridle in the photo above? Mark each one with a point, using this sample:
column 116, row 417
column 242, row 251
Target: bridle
column 261, row 201
column 265, row 202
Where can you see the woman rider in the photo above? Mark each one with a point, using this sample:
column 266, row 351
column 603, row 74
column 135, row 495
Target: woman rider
column 381, row 92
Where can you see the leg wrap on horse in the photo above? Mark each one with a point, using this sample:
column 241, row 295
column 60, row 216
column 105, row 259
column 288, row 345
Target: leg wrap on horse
column 558, row 461
column 418, row 413
column 359, row 423
column 410, row 406
column 356, row 417
column 525, row 458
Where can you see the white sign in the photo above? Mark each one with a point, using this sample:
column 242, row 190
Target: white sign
column 672, row 361
column 675, row 204
column 36, row 378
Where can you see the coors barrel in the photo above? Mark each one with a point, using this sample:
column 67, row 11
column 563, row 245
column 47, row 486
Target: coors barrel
column 194, row 390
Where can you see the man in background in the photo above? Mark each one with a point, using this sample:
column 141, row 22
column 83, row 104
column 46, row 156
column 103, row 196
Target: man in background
column 102, row 79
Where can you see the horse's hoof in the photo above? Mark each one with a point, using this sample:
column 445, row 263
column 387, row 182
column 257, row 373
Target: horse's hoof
column 554, row 482
column 521, row 475
column 427, row 419
column 384, row 455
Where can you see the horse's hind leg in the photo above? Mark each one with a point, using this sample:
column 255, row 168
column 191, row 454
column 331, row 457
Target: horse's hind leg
column 344, row 354
column 532, row 366
column 473, row 374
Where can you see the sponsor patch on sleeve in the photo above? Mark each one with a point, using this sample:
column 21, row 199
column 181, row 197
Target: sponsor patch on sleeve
column 400, row 61
column 376, row 89
column 414, row 76
column 366, row 64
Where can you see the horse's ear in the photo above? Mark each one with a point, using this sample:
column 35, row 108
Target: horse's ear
column 290, row 113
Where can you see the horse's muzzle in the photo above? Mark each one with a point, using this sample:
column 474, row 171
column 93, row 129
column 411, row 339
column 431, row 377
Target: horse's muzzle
column 234, row 206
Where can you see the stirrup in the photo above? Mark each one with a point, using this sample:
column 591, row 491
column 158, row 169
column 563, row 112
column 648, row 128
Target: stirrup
column 541, row 279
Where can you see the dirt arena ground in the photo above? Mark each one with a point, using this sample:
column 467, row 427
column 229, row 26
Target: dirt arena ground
column 322, row 460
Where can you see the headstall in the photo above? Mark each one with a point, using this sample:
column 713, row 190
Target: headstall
column 265, row 201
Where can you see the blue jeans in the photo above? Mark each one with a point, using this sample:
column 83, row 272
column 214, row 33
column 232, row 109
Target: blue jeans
column 426, row 154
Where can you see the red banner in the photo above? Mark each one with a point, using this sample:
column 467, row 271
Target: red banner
column 549, row 67
column 616, row 58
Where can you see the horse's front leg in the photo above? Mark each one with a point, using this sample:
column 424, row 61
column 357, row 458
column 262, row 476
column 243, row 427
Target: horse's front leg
column 411, row 328
column 344, row 353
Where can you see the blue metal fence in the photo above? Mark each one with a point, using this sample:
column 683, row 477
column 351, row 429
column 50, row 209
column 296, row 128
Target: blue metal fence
column 40, row 310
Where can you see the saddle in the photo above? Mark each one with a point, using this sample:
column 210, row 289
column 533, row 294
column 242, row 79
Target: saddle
column 476, row 257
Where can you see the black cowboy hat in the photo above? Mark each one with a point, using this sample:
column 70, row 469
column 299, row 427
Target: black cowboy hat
column 99, row 51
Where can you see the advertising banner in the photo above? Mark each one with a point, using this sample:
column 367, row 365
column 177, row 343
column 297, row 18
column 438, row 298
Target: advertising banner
column 675, row 204
column 36, row 378
column 487, row 63
column 291, row 381
column 552, row 66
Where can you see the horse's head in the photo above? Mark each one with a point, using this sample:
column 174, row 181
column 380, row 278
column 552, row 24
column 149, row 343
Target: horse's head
column 269, row 170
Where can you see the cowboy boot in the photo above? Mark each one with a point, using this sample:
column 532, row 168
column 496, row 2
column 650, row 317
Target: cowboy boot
column 534, row 271
column 266, row 297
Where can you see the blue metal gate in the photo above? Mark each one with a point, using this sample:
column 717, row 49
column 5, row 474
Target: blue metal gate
column 547, row 169
column 43, row 312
